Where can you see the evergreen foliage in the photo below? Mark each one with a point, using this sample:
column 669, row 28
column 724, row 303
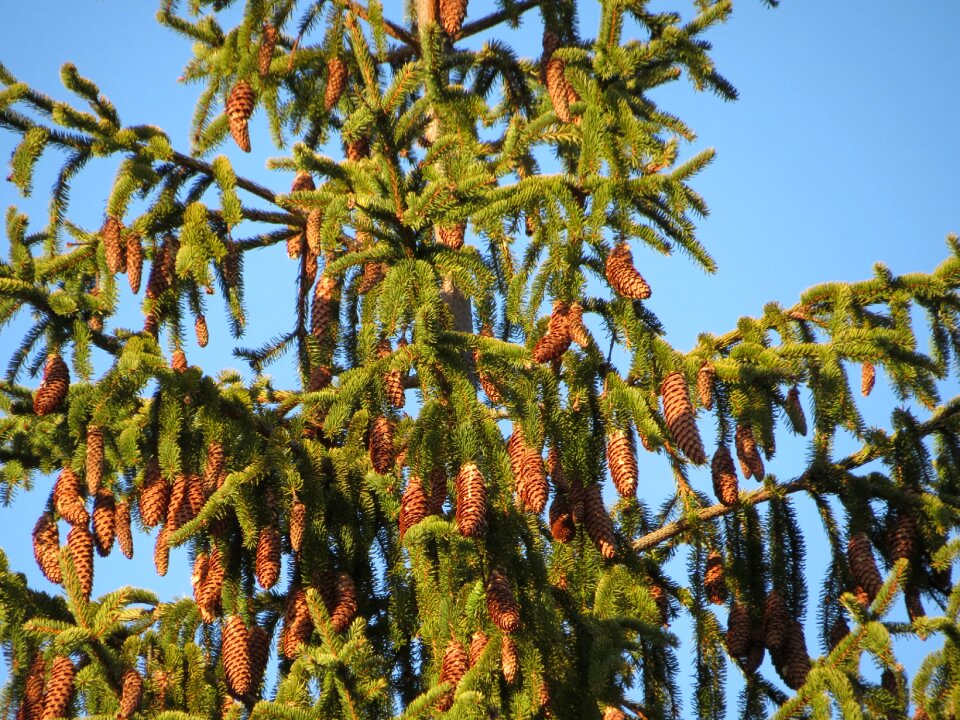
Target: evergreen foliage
column 451, row 295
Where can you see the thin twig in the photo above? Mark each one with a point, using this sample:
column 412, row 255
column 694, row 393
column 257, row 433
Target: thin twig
column 393, row 30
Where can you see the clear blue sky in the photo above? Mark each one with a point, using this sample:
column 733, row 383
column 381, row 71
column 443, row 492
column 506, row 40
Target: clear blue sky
column 843, row 150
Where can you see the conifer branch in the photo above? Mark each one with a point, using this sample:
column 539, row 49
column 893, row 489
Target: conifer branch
column 393, row 30
column 493, row 19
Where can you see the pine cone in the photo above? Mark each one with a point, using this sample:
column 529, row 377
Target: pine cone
column 232, row 264
column 903, row 543
column 532, row 478
column 56, row 698
column 201, row 331
column 46, row 547
column 235, row 654
column 154, row 495
column 358, row 149
column 622, row 461
column 161, row 551
column 131, row 693
column 268, row 557
column 239, row 109
column 863, row 566
column 623, row 276
column 680, row 417
column 452, row 13
column 738, row 630
column 659, row 595
column 268, row 41
column 478, row 643
column 178, row 511
column 453, row 667
column 178, row 363
column 413, row 505
column 373, row 273
column 325, row 309
column 336, row 81
column 796, row 661
column 556, row 341
column 597, row 521
column 501, row 603
column 562, row 528
column 298, row 524
column 134, row 251
column 868, row 377
column 298, row 627
column 67, row 499
column 508, row 659
column 104, row 521
column 713, row 579
column 214, row 466
column 794, row 411
column 838, row 631
column 706, row 376
column 392, row 379
column 54, row 386
column 748, row 454
column 558, row 88
column 208, row 592
column 451, row 236
column 438, row 491
column 612, row 713
column 381, row 444
column 471, row 501
column 258, row 642
column 31, row 701
column 575, row 328
column 724, row 477
column 914, row 604
column 340, row 597
column 487, row 384
column 201, row 565
column 94, row 458
column 302, row 181
column 80, row 544
column 776, row 621
column 113, row 248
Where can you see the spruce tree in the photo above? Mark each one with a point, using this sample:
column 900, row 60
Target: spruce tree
column 444, row 515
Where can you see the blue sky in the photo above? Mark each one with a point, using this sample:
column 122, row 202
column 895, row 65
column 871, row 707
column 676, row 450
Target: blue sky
column 843, row 150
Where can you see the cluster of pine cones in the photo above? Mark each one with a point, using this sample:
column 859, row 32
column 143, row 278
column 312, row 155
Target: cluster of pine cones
column 776, row 630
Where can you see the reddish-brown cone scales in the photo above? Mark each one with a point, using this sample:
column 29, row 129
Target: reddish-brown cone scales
column 268, row 41
column 562, row 528
column 680, row 418
column 392, row 379
column 705, row 379
column 340, row 597
column 302, row 181
column 556, row 340
column 553, row 73
column 478, row 643
column 501, row 603
column 575, row 328
column 795, row 664
column 713, row 579
column 298, row 627
column 154, row 495
column 471, row 501
column 214, row 466
column 313, row 231
column 201, row 565
column 373, row 273
column 31, row 701
column 530, row 475
column 54, row 386
column 298, row 524
column 622, row 461
column 381, row 444
column 738, row 631
column 413, row 505
column 508, row 660
column 868, row 377
column 161, row 551
column 201, row 331
column 131, row 693
column 134, row 261
column 597, row 521
column 208, row 593
column 336, row 82
column 914, row 604
column 776, row 621
column 724, row 476
column 453, row 667
column 235, row 654
column 863, row 566
column 267, row 566
column 113, row 248
column 259, row 644
column 438, row 491
column 67, row 499
column 178, row 510
column 178, row 363
column 46, row 547
column 623, row 276
column 232, row 264
column 104, row 521
column 747, row 453
column 357, row 149
column 903, row 541
column 324, row 310
column 452, row 13
column 452, row 236
column 239, row 109
column 80, row 544
column 795, row 411
column 94, row 458
column 612, row 713
column 56, row 698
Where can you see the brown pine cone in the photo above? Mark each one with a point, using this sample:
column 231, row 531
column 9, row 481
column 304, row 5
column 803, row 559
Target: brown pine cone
column 705, row 378
column 776, row 621
column 258, row 642
column 501, row 603
column 622, row 461
column 340, row 597
column 131, row 693
column 438, row 491
column 239, row 109
column 161, row 551
column 796, row 660
column 914, row 604
column 509, row 660
column 179, row 510
column 325, row 309
column 452, row 13
column 201, row 330
column 562, row 528
column 154, row 495
column 863, row 566
column 56, row 697
column 267, row 565
column 80, row 544
column 795, row 412
column 755, row 652
column 235, row 654
column 612, row 713
column 31, row 701
column 53, row 388
column 178, row 362
column 294, row 246
column 471, row 501
column 659, row 595
column 336, row 81
column 413, row 505
column 134, row 251
column 298, row 626
column 67, row 499
column 868, row 377
column 724, row 477
column 298, row 524
column 113, row 248
column 452, row 236
column 738, row 630
column 373, row 273
column 302, row 181
column 478, row 643
column 358, row 149
column 597, row 521
column 556, row 341
column 313, row 231
column 838, row 631
column 46, row 548
column 532, row 482
column 201, row 565
column 748, row 454
column 214, row 466
column 713, row 579
column 104, row 521
column 453, row 667
column 381, row 444
column 232, row 264
column 94, row 458
column 392, row 379
column 575, row 328
column 903, row 542
column 623, row 276
column 208, row 592
column 487, row 384
column 558, row 88
column 268, row 42
column 680, row 417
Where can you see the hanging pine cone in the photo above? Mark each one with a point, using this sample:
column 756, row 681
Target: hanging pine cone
column 313, row 231
column 501, row 603
column 298, row 523
column 31, row 701
column 508, row 659
column 452, row 236
column 713, row 579
column 67, row 499
column 903, row 542
column 532, row 483
column 575, row 496
column 557, row 85
column 796, row 660
column 161, row 551
column 868, row 377
column 208, row 593
column 214, row 466
column 340, row 597
column 154, row 495
column 232, row 264
column 478, row 643
column 131, row 693
column 794, row 411
column 680, row 418
column 471, row 501
column 94, row 458
column 556, row 341
column 575, row 327
column 438, row 491
column 178, row 510
column 54, row 386
column 738, row 630
column 201, row 331
column 914, row 604
column 597, row 521
column 357, row 149
column 706, row 376
column 562, row 528
column 134, row 252
column 863, row 566
column 413, row 505
column 755, row 652
column 80, row 544
column 392, row 379
column 325, row 310
column 302, row 181
column 56, row 698
column 267, row 565
column 612, row 713
column 268, row 42
column 622, row 461
column 235, row 654
column 724, row 477
column 452, row 13
column 104, row 521
column 201, row 565
column 659, row 595
column 381, row 444
column 258, row 642
column 178, row 362
column 747, row 453
column 239, row 109
column 453, row 667
column 46, row 548
column 336, row 82
column 776, row 621
column 373, row 273
column 838, row 631
column 298, row 627
column 623, row 276
column 113, row 248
